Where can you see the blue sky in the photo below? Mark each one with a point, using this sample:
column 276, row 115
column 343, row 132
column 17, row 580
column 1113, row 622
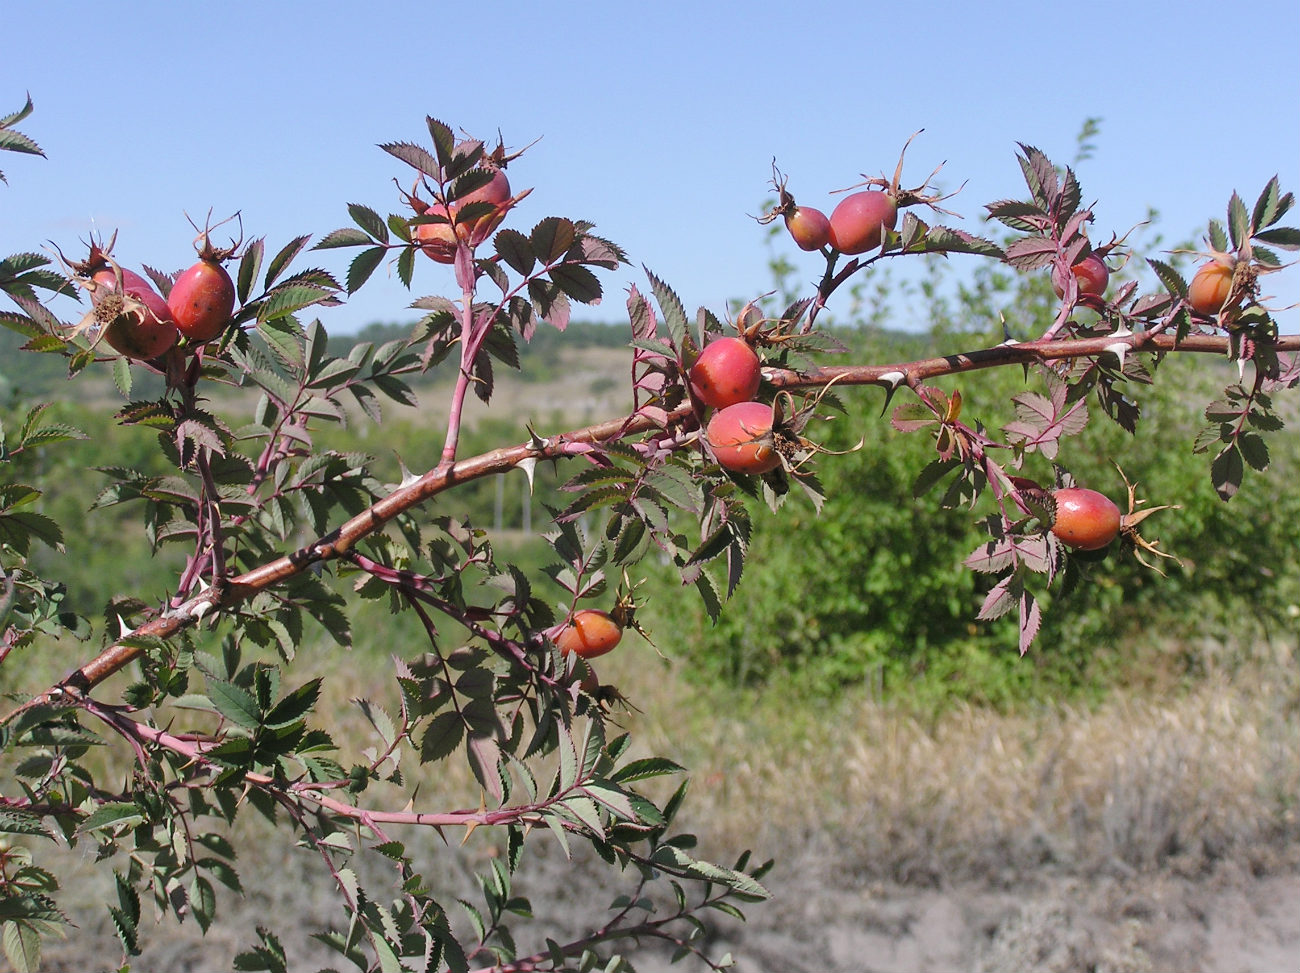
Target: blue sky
column 658, row 122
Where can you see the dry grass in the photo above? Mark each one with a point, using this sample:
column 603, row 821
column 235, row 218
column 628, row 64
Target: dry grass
column 1137, row 783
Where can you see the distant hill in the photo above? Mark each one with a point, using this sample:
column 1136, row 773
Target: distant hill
column 27, row 377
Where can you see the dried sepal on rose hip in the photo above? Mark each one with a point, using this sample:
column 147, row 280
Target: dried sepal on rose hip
column 1129, row 524
column 126, row 311
column 808, row 226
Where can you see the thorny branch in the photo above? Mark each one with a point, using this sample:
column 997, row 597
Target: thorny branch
column 444, row 476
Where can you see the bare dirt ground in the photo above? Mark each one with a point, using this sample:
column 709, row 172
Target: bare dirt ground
column 1229, row 919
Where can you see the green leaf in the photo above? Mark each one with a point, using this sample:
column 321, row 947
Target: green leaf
column 22, row 946
column 1266, row 207
column 284, row 338
column 1253, row 450
column 288, row 298
column 362, row 266
column 577, row 282
column 516, row 250
column 1238, row 221
column 1172, row 280
column 203, row 901
column 1226, row 472
column 1285, row 237
column 370, row 221
column 646, row 768
column 15, row 821
column 19, row 529
column 346, row 237
column 1218, row 236
column 122, row 375
column 285, row 257
column 249, row 265
column 551, row 238
column 417, row 157
column 296, row 705
column 670, row 306
column 120, row 814
column 442, row 736
column 234, row 703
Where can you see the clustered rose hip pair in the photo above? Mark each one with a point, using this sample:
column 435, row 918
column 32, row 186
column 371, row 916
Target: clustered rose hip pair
column 135, row 320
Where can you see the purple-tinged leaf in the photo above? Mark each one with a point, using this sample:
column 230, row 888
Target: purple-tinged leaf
column 1031, row 253
column 1239, row 229
column 1226, row 472
column 1285, row 237
column 1031, row 617
column 415, row 156
column 551, row 238
column 362, row 266
column 991, row 557
column 370, row 221
column 911, row 416
column 1000, row 600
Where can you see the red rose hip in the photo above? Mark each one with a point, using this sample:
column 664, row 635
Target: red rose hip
column 1085, row 519
column 727, row 371
column 741, row 438
column 859, row 222
column 202, row 300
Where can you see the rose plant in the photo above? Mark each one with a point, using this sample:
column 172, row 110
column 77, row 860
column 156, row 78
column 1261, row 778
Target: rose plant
column 220, row 719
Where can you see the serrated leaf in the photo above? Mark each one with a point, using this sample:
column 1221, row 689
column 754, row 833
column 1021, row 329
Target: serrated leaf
column 203, row 901
column 1238, row 221
column 288, row 298
column 119, row 814
column 1254, row 450
column 22, row 946
column 1000, row 600
column 551, row 238
column 931, row 475
column 346, row 237
column 285, row 257
column 1171, row 278
column 1031, row 253
column 1284, row 237
column 1031, row 618
column 577, row 282
column 234, row 703
column 362, row 266
column 1266, row 207
column 122, row 375
column 442, row 736
column 674, row 314
column 249, row 265
column 646, row 768
column 370, row 221
column 414, row 156
column 1226, row 472
column 516, row 250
